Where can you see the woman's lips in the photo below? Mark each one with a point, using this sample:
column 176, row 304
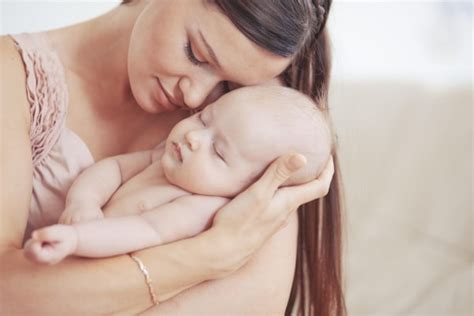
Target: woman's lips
column 177, row 150
column 165, row 98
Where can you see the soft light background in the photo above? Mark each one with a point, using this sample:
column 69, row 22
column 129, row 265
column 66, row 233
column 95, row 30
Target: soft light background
column 402, row 104
column 401, row 98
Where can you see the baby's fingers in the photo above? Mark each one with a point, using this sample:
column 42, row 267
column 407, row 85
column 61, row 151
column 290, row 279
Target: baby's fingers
column 39, row 252
column 32, row 249
column 51, row 234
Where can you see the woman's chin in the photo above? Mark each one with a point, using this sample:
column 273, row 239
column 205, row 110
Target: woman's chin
column 151, row 106
column 147, row 101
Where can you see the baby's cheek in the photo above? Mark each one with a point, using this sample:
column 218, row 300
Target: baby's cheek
column 202, row 180
column 189, row 178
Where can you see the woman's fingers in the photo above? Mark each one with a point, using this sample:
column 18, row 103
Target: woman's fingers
column 279, row 171
column 312, row 190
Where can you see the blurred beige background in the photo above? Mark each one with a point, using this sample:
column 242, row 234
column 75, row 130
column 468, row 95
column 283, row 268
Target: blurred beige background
column 401, row 97
column 406, row 154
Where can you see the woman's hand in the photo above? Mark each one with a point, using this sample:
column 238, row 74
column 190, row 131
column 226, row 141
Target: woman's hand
column 251, row 218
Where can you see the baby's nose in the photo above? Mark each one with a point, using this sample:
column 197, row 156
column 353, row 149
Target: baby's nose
column 192, row 139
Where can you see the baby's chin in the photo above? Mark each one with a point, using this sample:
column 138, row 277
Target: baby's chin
column 168, row 167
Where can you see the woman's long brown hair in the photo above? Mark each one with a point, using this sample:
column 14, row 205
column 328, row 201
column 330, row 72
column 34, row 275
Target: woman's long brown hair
column 317, row 285
column 296, row 28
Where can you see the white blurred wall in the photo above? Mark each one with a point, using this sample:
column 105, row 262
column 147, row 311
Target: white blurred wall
column 424, row 41
column 427, row 41
column 35, row 15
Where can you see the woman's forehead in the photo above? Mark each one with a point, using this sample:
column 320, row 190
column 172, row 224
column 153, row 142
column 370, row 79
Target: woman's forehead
column 241, row 60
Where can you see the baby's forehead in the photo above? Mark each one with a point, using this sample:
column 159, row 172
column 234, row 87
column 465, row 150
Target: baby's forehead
column 271, row 105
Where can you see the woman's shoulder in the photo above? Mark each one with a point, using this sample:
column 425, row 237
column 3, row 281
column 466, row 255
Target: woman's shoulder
column 13, row 97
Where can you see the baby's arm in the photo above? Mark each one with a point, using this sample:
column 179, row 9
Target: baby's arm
column 184, row 217
column 95, row 185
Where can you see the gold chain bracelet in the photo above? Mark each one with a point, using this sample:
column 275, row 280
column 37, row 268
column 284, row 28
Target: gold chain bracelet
column 148, row 280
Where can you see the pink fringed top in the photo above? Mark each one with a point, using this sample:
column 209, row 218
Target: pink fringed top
column 58, row 154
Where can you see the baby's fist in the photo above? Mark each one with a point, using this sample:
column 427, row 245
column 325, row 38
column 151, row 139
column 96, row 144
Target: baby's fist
column 51, row 244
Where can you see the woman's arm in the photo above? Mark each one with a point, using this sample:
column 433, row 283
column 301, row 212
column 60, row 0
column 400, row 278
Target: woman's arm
column 261, row 287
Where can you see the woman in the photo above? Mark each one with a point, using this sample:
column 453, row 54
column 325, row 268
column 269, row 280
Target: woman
column 127, row 77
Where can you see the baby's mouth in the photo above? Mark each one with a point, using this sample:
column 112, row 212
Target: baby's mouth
column 177, row 150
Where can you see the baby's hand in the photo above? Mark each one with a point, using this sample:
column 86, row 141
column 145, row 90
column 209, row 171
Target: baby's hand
column 51, row 244
column 83, row 213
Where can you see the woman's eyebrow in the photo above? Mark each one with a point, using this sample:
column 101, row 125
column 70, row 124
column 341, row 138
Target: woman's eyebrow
column 209, row 50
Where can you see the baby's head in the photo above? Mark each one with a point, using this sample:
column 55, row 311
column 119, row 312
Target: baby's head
column 224, row 148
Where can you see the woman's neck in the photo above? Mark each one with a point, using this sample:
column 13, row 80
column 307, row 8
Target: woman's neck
column 95, row 53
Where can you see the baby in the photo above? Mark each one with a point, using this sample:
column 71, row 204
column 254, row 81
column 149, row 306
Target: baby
column 161, row 195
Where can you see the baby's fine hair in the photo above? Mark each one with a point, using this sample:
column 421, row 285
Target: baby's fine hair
column 298, row 115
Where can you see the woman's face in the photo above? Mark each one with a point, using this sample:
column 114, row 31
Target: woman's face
column 183, row 53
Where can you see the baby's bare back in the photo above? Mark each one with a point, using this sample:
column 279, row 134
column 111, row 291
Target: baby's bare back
column 143, row 192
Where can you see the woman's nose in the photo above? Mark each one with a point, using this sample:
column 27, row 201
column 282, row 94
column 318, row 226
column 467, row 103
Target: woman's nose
column 196, row 92
column 192, row 140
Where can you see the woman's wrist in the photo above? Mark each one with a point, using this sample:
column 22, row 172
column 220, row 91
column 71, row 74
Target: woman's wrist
column 221, row 252
column 216, row 253
column 177, row 266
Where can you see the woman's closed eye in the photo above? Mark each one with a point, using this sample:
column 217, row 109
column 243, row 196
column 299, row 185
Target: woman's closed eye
column 188, row 49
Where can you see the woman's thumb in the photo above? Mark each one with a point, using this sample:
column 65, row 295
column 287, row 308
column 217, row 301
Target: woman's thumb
column 281, row 169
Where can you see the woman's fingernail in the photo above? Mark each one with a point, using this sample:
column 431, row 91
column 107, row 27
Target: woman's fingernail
column 296, row 162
